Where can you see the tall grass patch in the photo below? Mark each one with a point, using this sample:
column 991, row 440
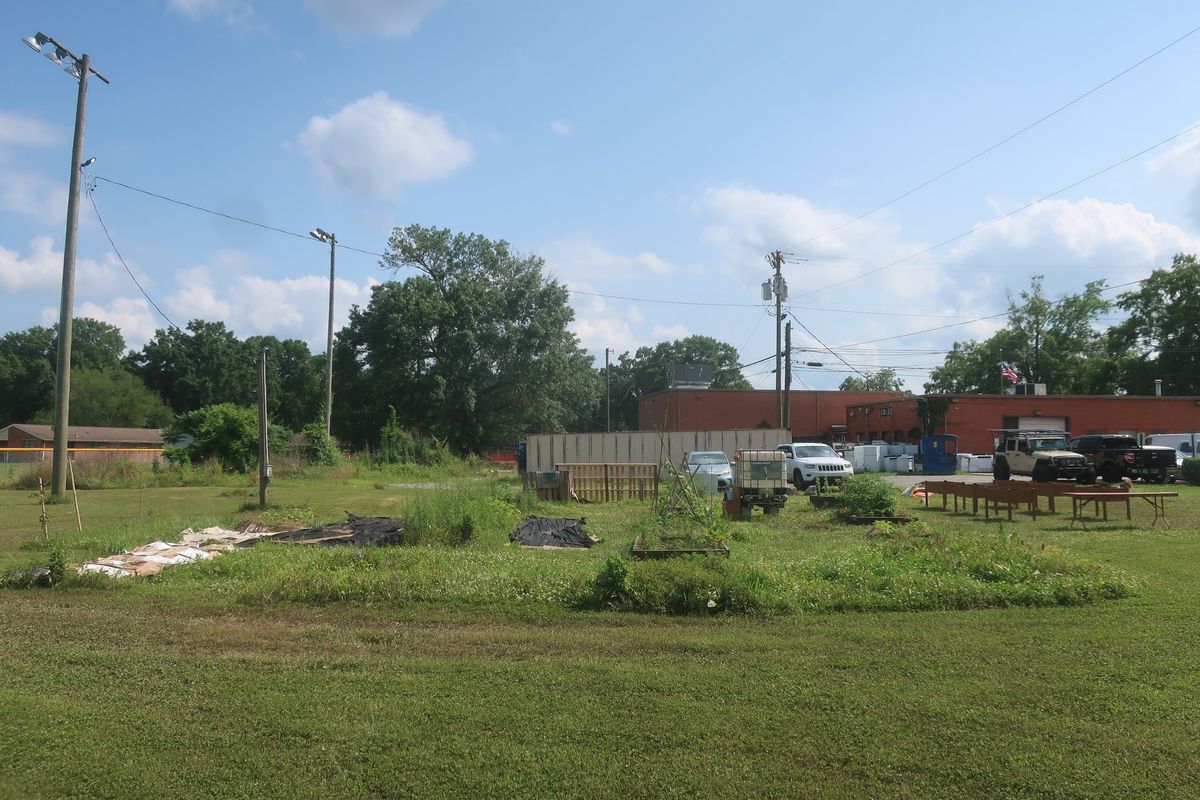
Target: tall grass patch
column 914, row 568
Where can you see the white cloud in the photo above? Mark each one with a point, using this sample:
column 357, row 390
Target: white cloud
column 581, row 259
column 41, row 271
column 384, row 18
column 229, row 291
column 132, row 315
column 376, row 145
column 599, row 327
column 1080, row 232
column 236, row 14
column 561, row 127
column 1183, row 157
column 670, row 332
column 17, row 130
column 34, row 195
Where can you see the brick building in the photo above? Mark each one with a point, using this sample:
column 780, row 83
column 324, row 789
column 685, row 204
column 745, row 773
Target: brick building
column 83, row 443
column 969, row 416
column 817, row 415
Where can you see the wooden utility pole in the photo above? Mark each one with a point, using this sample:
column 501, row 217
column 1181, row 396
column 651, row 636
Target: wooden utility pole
column 776, row 259
column 607, row 393
column 787, row 380
column 264, row 465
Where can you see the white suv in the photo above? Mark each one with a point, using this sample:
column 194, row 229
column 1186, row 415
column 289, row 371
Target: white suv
column 808, row 462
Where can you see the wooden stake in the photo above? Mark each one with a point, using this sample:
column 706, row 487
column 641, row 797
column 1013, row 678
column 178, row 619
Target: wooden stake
column 75, row 494
column 44, row 520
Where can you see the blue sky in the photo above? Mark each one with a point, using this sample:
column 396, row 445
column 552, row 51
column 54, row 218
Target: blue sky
column 646, row 150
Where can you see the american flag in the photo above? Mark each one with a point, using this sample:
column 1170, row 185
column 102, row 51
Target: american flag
column 1009, row 371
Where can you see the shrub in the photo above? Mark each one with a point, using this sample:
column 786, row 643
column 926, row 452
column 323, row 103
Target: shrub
column 1191, row 471
column 318, row 447
column 869, row 495
column 224, row 431
column 682, row 585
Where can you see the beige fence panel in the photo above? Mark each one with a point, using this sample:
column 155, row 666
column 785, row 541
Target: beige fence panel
column 545, row 451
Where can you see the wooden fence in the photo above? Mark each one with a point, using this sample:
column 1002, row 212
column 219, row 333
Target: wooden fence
column 606, row 483
column 547, row 451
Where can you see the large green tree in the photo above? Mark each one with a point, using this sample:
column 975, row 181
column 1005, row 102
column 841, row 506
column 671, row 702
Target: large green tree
column 473, row 349
column 634, row 376
column 29, row 358
column 885, row 380
column 1160, row 338
column 1055, row 342
column 112, row 398
column 207, row 364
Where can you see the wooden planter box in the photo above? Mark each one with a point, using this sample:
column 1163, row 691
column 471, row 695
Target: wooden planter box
column 825, row 500
column 873, row 520
column 641, row 551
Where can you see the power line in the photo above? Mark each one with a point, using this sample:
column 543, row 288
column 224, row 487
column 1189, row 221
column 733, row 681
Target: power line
column 813, row 335
column 1003, row 217
column 1002, row 142
column 92, row 197
column 982, row 319
column 231, row 217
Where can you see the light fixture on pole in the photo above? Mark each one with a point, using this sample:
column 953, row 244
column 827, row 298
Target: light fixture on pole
column 324, row 236
column 78, row 67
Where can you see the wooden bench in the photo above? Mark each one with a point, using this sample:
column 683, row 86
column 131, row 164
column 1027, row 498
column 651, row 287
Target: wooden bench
column 1100, row 500
column 998, row 496
column 1053, row 490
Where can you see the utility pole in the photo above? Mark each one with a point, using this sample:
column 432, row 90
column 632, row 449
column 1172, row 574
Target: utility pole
column 607, row 392
column 264, row 464
column 79, row 67
column 787, row 381
column 323, row 236
column 778, row 287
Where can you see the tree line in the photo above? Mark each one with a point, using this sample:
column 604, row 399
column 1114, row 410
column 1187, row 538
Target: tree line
column 474, row 350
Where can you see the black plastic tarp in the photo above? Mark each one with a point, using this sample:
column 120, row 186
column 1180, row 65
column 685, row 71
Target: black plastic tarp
column 550, row 532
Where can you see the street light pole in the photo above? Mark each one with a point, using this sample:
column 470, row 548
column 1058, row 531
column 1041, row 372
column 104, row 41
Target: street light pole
column 324, row 236
column 80, row 67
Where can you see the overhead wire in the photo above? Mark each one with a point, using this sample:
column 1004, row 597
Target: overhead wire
column 91, row 193
column 1003, row 217
column 1000, row 143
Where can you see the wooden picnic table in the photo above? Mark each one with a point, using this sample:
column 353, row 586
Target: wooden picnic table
column 1098, row 500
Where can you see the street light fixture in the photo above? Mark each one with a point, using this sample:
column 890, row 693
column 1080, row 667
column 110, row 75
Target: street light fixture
column 78, row 67
column 331, row 240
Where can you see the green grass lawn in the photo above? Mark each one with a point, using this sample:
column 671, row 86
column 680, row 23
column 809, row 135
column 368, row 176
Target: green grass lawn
column 238, row 678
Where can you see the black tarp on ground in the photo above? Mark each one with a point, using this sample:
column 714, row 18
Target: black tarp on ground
column 354, row 532
column 549, row 532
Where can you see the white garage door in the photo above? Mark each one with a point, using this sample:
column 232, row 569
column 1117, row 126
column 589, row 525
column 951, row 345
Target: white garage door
column 1043, row 423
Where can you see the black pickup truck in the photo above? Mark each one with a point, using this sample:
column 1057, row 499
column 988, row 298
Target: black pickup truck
column 1117, row 457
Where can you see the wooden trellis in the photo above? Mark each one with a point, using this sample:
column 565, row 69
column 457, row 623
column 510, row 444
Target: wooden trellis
column 606, row 483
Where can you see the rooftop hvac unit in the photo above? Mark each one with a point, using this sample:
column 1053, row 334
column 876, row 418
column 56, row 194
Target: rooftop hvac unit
column 690, row 376
column 1030, row 389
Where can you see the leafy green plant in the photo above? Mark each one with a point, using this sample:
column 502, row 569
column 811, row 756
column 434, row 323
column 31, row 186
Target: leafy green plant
column 224, row 431
column 1191, row 471
column 868, row 495
column 318, row 447
column 687, row 505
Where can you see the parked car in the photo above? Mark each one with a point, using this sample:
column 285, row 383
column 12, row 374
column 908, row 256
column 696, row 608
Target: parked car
column 808, row 462
column 1040, row 454
column 1117, row 457
column 711, row 464
column 1182, row 442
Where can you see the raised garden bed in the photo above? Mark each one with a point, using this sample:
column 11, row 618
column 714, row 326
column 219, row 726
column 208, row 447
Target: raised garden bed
column 662, row 549
column 825, row 500
column 856, row 520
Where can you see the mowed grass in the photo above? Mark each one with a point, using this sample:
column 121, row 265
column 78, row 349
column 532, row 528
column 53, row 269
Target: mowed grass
column 189, row 686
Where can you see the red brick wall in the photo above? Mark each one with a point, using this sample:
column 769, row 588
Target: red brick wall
column 970, row 416
column 813, row 414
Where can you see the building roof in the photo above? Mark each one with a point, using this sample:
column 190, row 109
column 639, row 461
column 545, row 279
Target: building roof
column 150, row 436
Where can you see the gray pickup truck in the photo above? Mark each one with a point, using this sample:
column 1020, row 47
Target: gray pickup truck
column 1119, row 456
